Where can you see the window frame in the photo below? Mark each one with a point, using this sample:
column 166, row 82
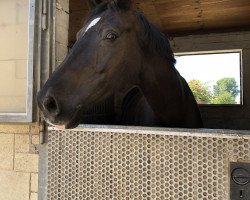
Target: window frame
column 240, row 51
column 27, row 116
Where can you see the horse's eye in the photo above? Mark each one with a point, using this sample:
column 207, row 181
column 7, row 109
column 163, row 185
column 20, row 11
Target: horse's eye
column 111, row 36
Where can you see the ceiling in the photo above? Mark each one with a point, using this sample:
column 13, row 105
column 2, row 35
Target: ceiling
column 181, row 17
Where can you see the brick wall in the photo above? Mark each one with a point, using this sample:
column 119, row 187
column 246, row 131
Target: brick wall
column 19, row 162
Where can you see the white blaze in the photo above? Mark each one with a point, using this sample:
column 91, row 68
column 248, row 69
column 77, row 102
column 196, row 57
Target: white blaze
column 93, row 23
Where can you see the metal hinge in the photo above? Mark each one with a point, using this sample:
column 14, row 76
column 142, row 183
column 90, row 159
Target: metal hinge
column 45, row 15
column 42, row 131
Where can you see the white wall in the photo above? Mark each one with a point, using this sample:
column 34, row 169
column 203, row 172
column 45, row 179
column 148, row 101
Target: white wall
column 13, row 55
column 232, row 117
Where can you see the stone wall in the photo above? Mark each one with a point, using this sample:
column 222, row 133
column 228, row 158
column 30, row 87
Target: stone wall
column 19, row 162
column 62, row 29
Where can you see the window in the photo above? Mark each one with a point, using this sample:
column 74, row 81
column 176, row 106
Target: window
column 214, row 77
column 16, row 68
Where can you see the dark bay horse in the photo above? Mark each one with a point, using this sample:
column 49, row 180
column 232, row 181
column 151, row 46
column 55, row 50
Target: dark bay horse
column 118, row 49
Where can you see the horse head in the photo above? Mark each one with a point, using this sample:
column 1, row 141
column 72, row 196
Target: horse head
column 106, row 56
column 118, row 48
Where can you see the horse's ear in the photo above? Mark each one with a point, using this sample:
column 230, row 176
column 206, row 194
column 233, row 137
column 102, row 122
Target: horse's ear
column 93, row 3
column 124, row 4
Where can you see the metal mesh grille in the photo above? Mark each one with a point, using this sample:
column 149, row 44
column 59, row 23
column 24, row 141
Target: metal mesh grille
column 136, row 165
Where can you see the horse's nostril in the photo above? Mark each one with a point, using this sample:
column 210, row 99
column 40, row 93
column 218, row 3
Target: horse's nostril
column 51, row 106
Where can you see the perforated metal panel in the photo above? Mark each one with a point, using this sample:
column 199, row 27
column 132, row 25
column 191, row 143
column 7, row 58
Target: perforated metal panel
column 101, row 163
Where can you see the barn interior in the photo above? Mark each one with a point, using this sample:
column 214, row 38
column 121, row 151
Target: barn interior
column 191, row 26
column 179, row 18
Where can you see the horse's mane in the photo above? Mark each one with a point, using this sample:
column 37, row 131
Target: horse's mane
column 153, row 38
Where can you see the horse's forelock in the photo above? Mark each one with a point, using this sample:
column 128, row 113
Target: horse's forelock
column 123, row 4
column 99, row 9
column 110, row 5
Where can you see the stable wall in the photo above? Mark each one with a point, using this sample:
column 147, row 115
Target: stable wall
column 216, row 116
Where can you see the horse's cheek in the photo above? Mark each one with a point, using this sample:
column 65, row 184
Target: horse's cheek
column 101, row 61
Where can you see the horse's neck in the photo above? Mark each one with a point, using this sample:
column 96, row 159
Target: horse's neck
column 169, row 95
column 137, row 111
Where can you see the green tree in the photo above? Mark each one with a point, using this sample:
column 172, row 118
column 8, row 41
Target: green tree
column 224, row 98
column 201, row 91
column 228, row 85
column 225, row 91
